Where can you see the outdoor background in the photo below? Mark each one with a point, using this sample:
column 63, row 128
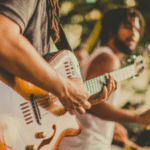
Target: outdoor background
column 81, row 20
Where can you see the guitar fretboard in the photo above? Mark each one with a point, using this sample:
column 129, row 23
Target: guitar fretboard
column 95, row 85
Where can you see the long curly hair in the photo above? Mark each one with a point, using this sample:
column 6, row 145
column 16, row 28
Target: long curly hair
column 54, row 22
column 113, row 18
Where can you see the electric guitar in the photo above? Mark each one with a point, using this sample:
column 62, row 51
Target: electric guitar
column 33, row 119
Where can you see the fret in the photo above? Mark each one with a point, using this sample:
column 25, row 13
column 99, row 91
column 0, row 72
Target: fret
column 90, row 87
column 87, row 85
column 95, row 85
column 102, row 79
column 99, row 85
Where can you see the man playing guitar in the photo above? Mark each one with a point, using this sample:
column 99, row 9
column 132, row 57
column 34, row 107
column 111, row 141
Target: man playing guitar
column 25, row 31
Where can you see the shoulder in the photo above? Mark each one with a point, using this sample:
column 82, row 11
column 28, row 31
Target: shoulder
column 103, row 63
column 108, row 58
column 19, row 11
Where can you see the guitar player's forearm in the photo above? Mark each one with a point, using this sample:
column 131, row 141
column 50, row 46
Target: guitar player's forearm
column 21, row 59
column 109, row 112
column 17, row 58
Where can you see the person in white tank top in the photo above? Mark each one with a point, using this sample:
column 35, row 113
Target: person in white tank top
column 117, row 39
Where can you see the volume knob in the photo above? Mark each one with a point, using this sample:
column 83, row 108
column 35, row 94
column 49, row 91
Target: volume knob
column 31, row 147
column 40, row 135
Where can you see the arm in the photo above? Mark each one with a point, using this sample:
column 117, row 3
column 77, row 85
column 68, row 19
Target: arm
column 109, row 112
column 102, row 64
column 105, row 110
column 20, row 58
column 97, row 68
column 121, row 135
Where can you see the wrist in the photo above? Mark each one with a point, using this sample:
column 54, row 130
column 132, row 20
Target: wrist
column 60, row 86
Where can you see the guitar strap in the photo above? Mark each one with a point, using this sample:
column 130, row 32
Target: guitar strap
column 62, row 43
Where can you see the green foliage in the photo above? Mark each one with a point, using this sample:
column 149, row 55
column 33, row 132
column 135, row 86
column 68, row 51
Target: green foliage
column 83, row 7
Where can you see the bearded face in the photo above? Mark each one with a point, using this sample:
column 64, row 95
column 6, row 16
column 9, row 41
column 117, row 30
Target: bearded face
column 128, row 36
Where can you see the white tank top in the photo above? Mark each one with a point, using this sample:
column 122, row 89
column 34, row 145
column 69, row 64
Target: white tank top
column 96, row 133
column 97, row 52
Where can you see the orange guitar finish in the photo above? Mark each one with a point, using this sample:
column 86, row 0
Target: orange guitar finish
column 25, row 89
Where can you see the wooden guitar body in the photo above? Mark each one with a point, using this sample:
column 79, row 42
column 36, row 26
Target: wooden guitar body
column 33, row 119
column 22, row 126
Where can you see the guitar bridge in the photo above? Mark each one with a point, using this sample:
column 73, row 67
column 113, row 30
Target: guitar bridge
column 35, row 109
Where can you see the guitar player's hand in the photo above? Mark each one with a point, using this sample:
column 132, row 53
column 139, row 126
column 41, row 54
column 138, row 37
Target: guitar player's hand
column 75, row 96
column 106, row 92
column 121, row 135
column 111, row 85
column 143, row 119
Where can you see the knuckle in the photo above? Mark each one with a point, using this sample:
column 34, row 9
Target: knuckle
column 76, row 104
column 81, row 110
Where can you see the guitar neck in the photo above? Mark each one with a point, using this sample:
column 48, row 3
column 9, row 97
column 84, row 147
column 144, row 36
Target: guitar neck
column 95, row 85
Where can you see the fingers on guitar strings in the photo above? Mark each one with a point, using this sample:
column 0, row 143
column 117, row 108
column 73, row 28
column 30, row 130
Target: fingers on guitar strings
column 80, row 109
column 87, row 105
column 71, row 111
column 104, row 94
column 110, row 83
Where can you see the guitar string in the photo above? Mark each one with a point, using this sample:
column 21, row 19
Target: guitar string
column 124, row 73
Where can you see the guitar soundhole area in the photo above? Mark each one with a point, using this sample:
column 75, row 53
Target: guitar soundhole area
column 48, row 140
column 26, row 111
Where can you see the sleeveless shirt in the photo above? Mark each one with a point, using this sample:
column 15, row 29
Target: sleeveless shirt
column 96, row 133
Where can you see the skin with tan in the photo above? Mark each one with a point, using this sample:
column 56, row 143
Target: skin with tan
column 121, row 135
column 21, row 59
column 130, row 33
column 103, row 63
column 82, row 56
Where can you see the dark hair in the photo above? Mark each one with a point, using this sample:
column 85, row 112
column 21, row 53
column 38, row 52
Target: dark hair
column 54, row 22
column 113, row 18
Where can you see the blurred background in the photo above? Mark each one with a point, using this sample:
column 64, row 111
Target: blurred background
column 81, row 21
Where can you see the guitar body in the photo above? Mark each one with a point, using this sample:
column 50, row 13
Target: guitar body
column 25, row 125
column 20, row 129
